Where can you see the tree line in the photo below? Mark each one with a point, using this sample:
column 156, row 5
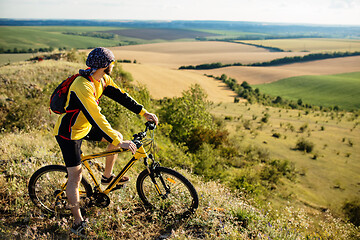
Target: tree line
column 275, row 62
column 244, row 90
column 92, row 34
column 29, row 50
column 262, row 37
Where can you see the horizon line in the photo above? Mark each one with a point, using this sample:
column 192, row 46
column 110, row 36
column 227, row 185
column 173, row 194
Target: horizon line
column 179, row 20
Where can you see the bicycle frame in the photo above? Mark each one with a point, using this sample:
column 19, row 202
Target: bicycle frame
column 140, row 153
column 174, row 186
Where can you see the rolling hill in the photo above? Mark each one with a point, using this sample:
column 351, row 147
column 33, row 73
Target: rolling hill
column 342, row 90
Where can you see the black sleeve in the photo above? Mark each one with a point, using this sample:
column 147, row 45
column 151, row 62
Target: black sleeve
column 123, row 98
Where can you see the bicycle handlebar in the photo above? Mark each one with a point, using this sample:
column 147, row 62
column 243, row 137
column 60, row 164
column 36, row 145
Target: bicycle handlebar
column 139, row 136
column 150, row 126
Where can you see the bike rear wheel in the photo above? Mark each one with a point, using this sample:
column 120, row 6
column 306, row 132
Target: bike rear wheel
column 178, row 196
column 47, row 190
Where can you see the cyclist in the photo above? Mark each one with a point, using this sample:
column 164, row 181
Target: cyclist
column 83, row 120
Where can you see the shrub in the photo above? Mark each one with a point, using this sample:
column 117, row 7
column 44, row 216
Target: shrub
column 352, row 211
column 187, row 113
column 303, row 127
column 201, row 135
column 270, row 174
column 304, row 145
column 208, row 162
column 247, row 124
column 276, row 135
column 265, row 118
column 277, row 169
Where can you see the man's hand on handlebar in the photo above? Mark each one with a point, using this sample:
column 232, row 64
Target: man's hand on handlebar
column 151, row 117
column 128, row 145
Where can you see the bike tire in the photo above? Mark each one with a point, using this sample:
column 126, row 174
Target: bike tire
column 46, row 183
column 180, row 198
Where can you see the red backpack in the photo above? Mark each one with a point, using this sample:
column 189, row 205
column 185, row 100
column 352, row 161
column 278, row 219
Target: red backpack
column 59, row 96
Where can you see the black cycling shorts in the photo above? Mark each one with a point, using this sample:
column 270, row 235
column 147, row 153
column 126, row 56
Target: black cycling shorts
column 71, row 149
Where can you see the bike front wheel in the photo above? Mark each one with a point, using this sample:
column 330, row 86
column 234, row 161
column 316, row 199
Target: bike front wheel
column 47, row 189
column 167, row 190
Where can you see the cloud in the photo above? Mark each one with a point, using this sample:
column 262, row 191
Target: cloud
column 344, row 4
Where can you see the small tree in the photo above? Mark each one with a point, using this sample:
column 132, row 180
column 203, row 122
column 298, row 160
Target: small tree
column 245, row 85
column 223, row 77
column 278, row 100
column 300, row 102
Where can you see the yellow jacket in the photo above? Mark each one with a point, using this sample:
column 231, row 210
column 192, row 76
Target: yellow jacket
column 83, row 112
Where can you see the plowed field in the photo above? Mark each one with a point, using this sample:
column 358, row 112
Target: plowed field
column 259, row 75
column 176, row 54
column 157, row 66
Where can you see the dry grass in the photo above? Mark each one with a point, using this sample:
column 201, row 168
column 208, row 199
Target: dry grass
column 329, row 175
column 222, row 214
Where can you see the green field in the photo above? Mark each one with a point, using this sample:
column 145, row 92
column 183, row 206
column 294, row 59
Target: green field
column 45, row 37
column 23, row 38
column 311, row 44
column 342, row 90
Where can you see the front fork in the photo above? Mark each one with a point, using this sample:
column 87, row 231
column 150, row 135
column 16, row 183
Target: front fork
column 152, row 172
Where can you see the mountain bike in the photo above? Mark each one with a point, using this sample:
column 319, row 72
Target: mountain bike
column 159, row 188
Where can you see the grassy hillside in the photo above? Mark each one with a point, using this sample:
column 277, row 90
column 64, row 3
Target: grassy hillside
column 328, row 172
column 231, row 176
column 342, row 90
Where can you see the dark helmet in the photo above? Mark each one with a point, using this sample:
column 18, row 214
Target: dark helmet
column 99, row 58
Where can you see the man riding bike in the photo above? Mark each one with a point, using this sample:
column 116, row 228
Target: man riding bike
column 83, row 120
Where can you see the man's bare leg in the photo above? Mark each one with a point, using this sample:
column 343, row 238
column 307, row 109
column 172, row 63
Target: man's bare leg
column 109, row 162
column 72, row 192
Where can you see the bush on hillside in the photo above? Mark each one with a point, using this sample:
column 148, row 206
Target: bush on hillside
column 187, row 113
column 352, row 211
column 199, row 135
column 23, row 106
column 208, row 162
column 304, row 145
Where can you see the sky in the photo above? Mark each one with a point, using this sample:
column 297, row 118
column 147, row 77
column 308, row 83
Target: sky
column 338, row 12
